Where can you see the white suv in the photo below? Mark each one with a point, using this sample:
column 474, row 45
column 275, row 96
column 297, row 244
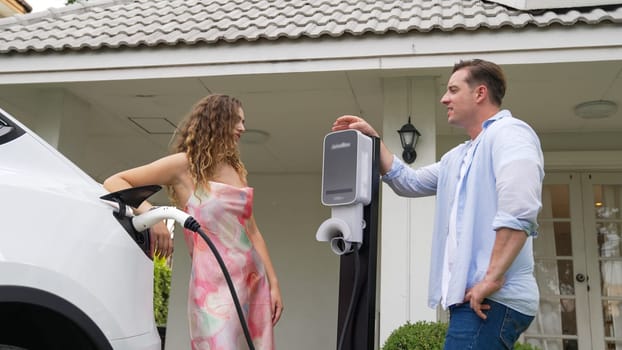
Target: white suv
column 71, row 276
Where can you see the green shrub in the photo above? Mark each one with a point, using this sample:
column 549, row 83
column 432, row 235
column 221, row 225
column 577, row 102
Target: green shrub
column 422, row 335
column 425, row 335
column 161, row 289
column 525, row 346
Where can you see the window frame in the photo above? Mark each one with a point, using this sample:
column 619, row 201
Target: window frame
column 9, row 131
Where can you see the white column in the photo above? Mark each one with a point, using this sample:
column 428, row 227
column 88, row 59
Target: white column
column 177, row 333
column 74, row 138
column 406, row 224
column 61, row 119
column 49, row 115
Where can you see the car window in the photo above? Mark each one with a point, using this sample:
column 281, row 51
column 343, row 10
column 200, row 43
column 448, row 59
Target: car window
column 8, row 130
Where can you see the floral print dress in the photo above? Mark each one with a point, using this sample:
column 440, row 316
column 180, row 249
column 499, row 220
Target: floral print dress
column 222, row 210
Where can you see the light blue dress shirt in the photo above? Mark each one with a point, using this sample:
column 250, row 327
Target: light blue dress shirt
column 502, row 187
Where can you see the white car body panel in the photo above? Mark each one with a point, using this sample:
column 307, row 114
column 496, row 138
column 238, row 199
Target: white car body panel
column 59, row 237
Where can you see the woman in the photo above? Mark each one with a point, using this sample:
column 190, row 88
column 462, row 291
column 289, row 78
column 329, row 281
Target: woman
column 206, row 178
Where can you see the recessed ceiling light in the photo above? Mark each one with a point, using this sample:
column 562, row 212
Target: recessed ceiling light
column 595, row 109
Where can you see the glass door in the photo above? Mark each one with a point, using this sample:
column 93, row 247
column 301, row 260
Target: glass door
column 603, row 228
column 556, row 326
column 578, row 264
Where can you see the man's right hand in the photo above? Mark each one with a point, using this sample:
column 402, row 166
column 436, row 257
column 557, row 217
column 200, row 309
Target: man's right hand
column 357, row 123
column 353, row 122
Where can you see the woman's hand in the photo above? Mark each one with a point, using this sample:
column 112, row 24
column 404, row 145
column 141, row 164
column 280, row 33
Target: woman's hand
column 161, row 241
column 277, row 303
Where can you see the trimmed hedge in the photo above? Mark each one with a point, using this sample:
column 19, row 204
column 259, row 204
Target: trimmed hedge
column 422, row 335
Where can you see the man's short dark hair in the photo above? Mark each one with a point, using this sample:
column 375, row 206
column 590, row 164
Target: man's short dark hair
column 486, row 73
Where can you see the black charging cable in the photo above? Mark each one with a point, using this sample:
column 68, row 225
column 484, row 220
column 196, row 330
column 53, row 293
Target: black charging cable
column 353, row 298
column 193, row 225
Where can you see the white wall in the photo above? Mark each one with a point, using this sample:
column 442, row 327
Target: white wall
column 177, row 322
column 406, row 227
column 288, row 212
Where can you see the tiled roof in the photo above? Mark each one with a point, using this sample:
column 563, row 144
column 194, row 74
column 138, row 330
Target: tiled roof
column 133, row 23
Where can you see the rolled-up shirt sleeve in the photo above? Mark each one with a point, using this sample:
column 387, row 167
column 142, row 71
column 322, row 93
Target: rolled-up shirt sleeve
column 518, row 166
column 409, row 182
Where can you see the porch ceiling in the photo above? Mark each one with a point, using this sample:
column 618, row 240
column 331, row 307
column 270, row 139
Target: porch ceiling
column 298, row 110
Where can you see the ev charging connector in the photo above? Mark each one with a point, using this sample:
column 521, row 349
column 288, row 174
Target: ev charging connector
column 346, row 188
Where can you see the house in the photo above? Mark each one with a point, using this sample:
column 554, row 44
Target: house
column 106, row 81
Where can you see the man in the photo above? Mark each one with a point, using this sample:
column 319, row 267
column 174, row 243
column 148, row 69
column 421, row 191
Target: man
column 488, row 197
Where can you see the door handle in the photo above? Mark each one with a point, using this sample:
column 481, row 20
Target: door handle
column 580, row 277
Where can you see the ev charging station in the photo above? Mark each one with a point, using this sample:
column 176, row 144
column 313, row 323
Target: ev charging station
column 350, row 187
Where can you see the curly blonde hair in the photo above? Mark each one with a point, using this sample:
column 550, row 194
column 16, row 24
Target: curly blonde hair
column 207, row 137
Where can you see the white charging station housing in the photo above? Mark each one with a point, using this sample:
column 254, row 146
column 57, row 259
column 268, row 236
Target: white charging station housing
column 346, row 188
column 346, row 168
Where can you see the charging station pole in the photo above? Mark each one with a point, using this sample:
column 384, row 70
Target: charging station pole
column 361, row 332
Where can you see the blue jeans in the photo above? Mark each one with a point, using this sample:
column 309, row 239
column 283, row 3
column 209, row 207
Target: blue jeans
column 499, row 330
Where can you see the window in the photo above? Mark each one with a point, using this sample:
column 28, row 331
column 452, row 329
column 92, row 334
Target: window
column 8, row 130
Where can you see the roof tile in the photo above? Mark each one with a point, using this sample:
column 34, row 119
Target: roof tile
column 132, row 23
